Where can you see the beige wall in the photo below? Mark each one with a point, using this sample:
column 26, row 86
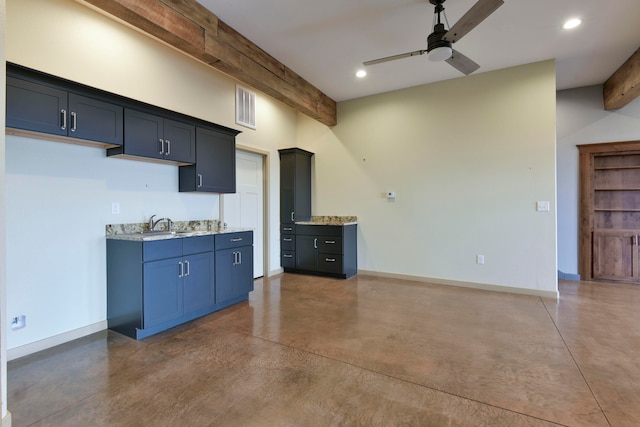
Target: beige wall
column 468, row 159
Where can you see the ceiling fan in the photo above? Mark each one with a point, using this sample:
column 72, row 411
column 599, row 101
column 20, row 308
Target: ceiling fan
column 440, row 40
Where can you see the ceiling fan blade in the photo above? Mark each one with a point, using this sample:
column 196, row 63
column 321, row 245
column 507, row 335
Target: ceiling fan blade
column 394, row 57
column 462, row 63
column 474, row 16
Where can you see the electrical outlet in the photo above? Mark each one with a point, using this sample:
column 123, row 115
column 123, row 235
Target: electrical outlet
column 543, row 206
column 479, row 259
column 19, row 322
column 115, row 208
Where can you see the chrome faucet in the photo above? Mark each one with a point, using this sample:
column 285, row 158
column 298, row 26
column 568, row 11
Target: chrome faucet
column 152, row 223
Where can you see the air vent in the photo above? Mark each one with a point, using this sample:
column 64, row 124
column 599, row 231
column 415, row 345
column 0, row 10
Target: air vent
column 245, row 107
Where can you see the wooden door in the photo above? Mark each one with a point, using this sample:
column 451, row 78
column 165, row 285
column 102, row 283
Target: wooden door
column 610, row 211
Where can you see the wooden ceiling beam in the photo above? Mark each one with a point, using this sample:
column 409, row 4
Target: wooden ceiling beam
column 191, row 28
column 624, row 85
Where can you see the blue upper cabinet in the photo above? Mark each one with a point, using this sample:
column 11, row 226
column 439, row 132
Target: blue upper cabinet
column 215, row 167
column 295, row 185
column 156, row 137
column 46, row 109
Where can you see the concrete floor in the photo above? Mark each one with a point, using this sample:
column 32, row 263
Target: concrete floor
column 308, row 351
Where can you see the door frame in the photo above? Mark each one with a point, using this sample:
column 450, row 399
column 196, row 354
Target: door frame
column 586, row 219
column 265, row 203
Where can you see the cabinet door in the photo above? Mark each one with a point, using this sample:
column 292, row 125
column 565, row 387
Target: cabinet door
column 225, row 263
column 234, row 273
column 302, row 198
column 180, row 141
column 615, row 255
column 307, row 252
column 243, row 271
column 199, row 291
column 35, row 107
column 162, row 292
column 215, row 161
column 95, row 120
column 287, row 201
column 143, row 134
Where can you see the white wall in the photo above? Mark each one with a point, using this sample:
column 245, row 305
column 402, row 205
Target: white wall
column 582, row 119
column 468, row 159
column 59, row 196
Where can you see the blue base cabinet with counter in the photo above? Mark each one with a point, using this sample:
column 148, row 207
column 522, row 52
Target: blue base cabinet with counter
column 328, row 250
column 158, row 284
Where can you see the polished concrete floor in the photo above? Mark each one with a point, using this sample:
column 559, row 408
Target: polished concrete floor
column 367, row 351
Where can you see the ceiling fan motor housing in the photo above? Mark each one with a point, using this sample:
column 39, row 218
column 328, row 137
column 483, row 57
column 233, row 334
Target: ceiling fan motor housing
column 434, row 40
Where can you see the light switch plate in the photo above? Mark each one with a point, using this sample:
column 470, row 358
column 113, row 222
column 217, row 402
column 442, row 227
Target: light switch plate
column 543, row 206
column 115, row 208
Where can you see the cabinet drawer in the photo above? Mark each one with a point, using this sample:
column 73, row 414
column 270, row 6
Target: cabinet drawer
column 161, row 249
column 288, row 259
column 288, row 242
column 330, row 263
column 234, row 240
column 287, row 229
column 330, row 245
column 198, row 244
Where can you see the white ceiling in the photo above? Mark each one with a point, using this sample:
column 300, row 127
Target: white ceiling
column 326, row 41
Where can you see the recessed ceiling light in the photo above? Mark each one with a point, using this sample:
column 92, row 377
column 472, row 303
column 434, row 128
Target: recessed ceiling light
column 571, row 23
column 361, row 73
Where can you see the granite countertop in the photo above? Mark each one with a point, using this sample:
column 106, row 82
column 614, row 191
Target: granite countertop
column 330, row 220
column 140, row 231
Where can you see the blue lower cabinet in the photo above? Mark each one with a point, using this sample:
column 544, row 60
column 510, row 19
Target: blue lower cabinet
column 234, row 266
column 234, row 273
column 162, row 292
column 156, row 285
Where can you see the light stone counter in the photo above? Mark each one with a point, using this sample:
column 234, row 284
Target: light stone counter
column 140, row 231
column 330, row 220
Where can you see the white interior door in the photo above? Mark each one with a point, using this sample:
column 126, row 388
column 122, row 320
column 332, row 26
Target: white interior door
column 245, row 208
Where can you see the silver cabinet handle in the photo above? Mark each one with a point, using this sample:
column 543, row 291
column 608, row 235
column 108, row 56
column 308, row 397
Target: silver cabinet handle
column 74, row 121
column 330, row 259
column 288, row 229
column 239, row 258
column 181, row 269
column 168, row 147
column 288, row 256
column 292, row 217
column 239, row 239
column 330, row 242
column 188, row 273
column 315, row 243
column 63, row 119
column 288, row 239
column 199, row 180
column 161, row 146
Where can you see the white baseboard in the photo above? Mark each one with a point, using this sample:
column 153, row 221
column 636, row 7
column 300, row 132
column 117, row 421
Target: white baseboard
column 6, row 420
column 472, row 285
column 276, row 272
column 34, row 347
